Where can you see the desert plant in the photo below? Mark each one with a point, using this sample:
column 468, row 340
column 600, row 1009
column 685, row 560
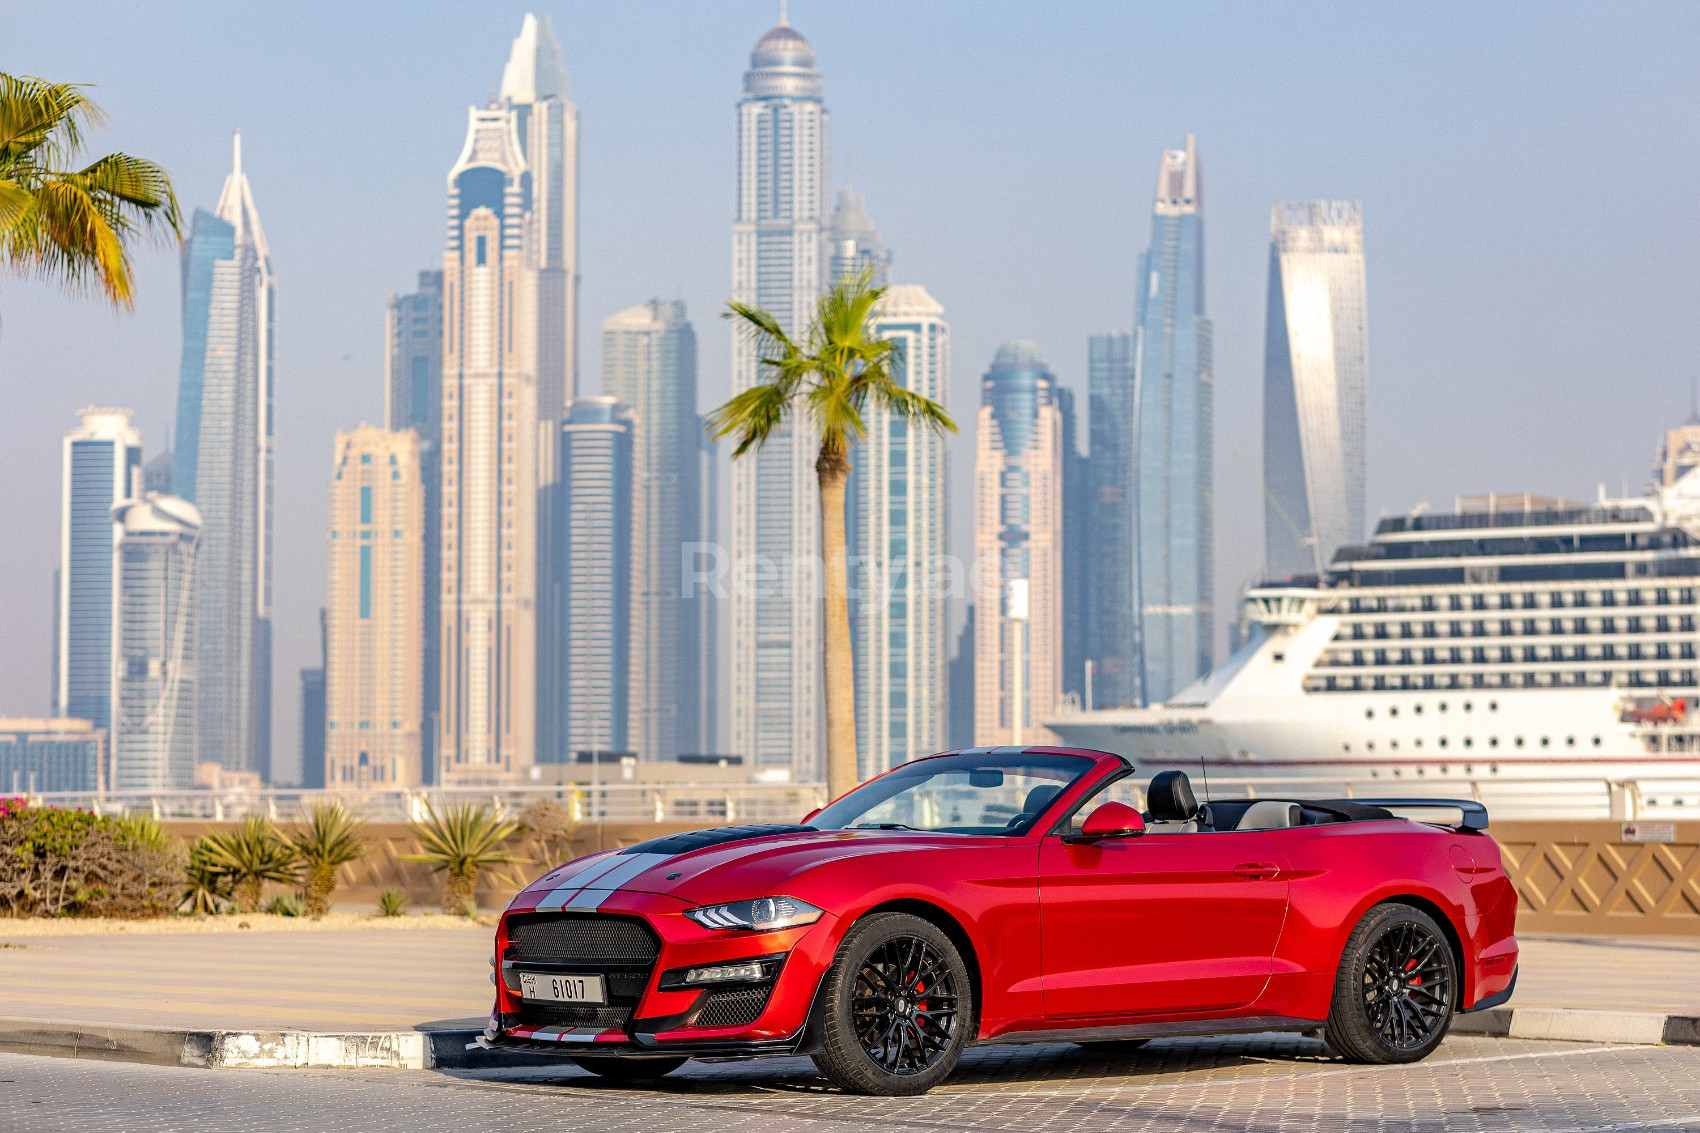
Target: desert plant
column 392, row 903
column 325, row 841
column 286, row 905
column 57, row 863
column 551, row 824
column 251, row 855
column 73, row 225
column 828, row 380
column 459, row 842
column 206, row 888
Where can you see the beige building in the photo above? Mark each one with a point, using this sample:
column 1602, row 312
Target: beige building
column 1017, row 571
column 375, row 612
column 488, row 577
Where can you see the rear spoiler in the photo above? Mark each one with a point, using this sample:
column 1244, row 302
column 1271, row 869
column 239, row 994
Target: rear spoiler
column 1472, row 815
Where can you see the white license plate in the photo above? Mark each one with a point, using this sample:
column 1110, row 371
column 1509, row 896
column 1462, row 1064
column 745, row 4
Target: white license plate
column 562, row 989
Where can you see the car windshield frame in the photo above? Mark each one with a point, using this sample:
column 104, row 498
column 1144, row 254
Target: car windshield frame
column 851, row 812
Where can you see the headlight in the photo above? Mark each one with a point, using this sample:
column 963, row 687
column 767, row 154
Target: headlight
column 762, row 915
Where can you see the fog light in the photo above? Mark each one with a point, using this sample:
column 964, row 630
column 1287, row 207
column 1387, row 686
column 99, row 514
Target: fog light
column 761, row 969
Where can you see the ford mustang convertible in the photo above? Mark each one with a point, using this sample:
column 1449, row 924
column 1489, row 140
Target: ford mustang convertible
column 1011, row 895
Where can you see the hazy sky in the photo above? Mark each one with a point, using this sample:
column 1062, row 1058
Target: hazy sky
column 1528, row 174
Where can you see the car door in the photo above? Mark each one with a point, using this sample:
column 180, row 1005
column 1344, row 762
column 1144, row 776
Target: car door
column 1159, row 923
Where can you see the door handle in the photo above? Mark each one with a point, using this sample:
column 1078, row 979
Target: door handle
column 1257, row 871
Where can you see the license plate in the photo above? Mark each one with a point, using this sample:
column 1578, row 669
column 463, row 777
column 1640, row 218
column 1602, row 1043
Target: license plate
column 562, row 989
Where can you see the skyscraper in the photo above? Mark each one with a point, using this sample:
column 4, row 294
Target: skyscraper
column 488, row 581
column 1112, row 622
column 375, row 611
column 1018, row 525
column 779, row 261
column 854, row 242
column 596, row 575
column 155, row 733
column 224, row 467
column 102, row 465
column 413, row 399
column 897, row 498
column 1175, row 549
column 1076, row 556
column 535, row 86
column 1315, row 385
column 649, row 365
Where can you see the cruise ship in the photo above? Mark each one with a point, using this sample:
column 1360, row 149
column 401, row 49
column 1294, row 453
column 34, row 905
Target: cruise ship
column 1513, row 638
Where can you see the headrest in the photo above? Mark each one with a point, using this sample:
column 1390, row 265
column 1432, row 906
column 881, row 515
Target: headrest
column 1170, row 797
column 1040, row 797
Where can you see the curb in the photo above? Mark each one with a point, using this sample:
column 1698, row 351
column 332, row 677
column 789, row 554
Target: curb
column 443, row 1049
column 1563, row 1024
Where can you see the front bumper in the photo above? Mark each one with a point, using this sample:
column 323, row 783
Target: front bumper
column 642, row 1017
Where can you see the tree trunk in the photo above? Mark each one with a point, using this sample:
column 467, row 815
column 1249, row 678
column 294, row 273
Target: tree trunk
column 832, row 469
column 247, row 894
column 458, row 894
column 321, row 883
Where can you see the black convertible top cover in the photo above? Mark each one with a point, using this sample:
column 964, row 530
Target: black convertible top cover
column 716, row 836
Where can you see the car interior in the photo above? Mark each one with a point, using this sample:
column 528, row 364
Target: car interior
column 1172, row 808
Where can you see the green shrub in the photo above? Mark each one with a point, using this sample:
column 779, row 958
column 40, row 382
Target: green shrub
column 206, row 888
column 460, row 841
column 56, row 863
column 392, row 903
column 286, row 905
column 327, row 839
column 251, row 855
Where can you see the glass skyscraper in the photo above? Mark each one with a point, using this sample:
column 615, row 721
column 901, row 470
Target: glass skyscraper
column 1112, row 643
column 102, row 466
column 856, row 244
column 1174, row 536
column 779, row 262
column 594, row 574
column 223, row 465
column 649, row 364
column 155, row 735
column 1315, row 384
column 897, row 500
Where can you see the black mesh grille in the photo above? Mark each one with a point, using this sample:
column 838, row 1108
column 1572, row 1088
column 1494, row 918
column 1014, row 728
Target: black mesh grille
column 732, row 1008
column 580, row 938
column 568, row 1015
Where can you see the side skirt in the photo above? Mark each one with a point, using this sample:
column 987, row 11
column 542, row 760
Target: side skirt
column 1247, row 1025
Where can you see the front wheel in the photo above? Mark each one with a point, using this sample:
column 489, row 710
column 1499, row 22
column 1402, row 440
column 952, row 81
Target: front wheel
column 629, row 1069
column 1396, row 990
column 897, row 1008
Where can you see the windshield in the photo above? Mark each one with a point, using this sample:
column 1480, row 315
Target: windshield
column 958, row 794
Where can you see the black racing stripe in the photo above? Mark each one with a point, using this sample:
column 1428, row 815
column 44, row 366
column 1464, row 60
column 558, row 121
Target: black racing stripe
column 717, row 836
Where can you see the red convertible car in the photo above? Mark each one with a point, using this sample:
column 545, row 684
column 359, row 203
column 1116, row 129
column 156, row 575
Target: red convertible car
column 1010, row 895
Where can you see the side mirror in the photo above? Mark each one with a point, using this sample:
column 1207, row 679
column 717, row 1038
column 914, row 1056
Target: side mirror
column 1110, row 820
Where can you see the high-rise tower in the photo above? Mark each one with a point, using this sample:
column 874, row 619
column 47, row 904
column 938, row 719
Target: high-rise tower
column 1112, row 622
column 224, row 467
column 779, row 261
column 489, row 476
column 855, row 243
column 102, row 465
column 1174, row 537
column 1315, row 385
column 157, row 679
column 1018, row 524
column 375, row 612
column 649, row 364
column 897, row 499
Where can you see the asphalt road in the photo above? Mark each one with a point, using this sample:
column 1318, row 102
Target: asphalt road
column 1262, row 1083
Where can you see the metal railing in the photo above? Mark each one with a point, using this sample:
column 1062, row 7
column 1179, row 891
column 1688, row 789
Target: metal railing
column 721, row 804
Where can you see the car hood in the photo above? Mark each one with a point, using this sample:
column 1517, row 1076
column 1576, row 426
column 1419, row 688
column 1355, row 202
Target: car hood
column 722, row 864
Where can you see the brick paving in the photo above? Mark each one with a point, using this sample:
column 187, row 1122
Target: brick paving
column 1473, row 1085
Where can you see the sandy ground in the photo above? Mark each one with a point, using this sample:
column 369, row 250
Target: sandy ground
column 24, row 927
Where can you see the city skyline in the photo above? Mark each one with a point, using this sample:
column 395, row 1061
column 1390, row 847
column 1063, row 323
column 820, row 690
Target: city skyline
column 1068, row 373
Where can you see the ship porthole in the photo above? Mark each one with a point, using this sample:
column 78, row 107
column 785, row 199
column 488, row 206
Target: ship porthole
column 1518, row 742
column 1596, row 741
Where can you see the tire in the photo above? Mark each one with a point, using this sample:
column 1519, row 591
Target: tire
column 872, row 1032
column 1113, row 1046
column 1396, row 990
column 629, row 1069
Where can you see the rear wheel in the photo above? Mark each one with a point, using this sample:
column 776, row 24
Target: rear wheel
column 629, row 1069
column 897, row 1008
column 1396, row 990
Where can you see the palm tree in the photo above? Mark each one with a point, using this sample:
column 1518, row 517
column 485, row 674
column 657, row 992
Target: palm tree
column 66, row 224
column 328, row 839
column 206, row 888
column 830, row 379
column 464, row 839
column 251, row 855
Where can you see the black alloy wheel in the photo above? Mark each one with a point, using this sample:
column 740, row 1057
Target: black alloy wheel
column 1396, row 991
column 897, row 1009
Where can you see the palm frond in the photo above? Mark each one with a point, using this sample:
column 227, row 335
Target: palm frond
column 753, row 415
column 328, row 836
column 463, row 836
